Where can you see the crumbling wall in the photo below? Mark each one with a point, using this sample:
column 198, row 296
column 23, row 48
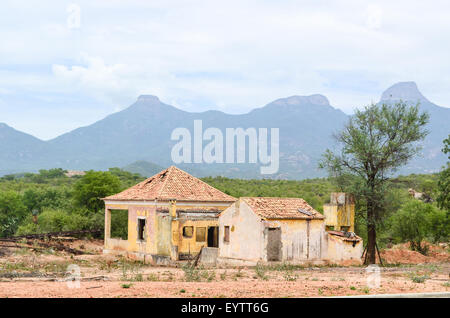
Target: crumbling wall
column 301, row 239
column 340, row 249
column 246, row 233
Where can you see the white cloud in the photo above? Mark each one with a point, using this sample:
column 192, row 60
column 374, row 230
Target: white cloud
column 230, row 55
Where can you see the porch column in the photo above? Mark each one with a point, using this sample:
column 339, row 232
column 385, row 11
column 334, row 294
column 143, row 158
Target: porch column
column 107, row 226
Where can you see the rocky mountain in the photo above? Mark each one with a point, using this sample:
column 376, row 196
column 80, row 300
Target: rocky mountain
column 142, row 133
column 431, row 159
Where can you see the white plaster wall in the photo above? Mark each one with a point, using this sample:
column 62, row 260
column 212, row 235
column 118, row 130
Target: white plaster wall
column 246, row 239
column 340, row 250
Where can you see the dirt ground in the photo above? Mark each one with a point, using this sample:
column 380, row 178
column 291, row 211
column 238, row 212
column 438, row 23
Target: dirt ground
column 45, row 272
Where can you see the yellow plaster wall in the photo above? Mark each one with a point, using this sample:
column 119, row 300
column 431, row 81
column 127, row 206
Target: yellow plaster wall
column 340, row 215
column 162, row 231
column 190, row 245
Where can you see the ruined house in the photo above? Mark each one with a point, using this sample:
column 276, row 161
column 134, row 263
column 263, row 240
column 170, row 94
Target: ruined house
column 271, row 229
column 286, row 229
column 174, row 216
column 171, row 216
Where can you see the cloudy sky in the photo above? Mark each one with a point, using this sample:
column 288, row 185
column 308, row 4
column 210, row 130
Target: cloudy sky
column 65, row 64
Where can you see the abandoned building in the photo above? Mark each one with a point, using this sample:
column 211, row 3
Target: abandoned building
column 175, row 216
column 271, row 229
column 288, row 229
column 171, row 215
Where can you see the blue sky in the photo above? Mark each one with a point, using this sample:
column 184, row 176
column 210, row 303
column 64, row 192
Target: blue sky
column 65, row 64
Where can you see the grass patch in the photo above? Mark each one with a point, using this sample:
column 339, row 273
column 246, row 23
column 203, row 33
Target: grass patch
column 419, row 278
column 193, row 273
column 152, row 277
column 126, row 286
column 261, row 271
column 290, row 276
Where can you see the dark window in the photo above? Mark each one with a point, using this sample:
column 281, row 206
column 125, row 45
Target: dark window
column 200, row 234
column 226, row 234
column 141, row 229
column 188, row 231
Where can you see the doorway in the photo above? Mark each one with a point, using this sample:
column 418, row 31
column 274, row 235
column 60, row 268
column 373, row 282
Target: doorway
column 213, row 236
column 274, row 244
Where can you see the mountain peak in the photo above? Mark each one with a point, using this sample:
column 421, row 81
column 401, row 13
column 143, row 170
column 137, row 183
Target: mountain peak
column 315, row 99
column 148, row 98
column 406, row 91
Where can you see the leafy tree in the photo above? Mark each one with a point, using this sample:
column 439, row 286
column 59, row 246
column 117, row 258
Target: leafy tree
column 93, row 186
column 443, row 198
column 127, row 178
column 375, row 142
column 12, row 212
column 52, row 173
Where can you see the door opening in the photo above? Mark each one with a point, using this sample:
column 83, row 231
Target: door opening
column 274, row 244
column 213, row 236
column 141, row 229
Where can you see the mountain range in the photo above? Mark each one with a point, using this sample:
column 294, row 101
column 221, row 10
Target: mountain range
column 138, row 137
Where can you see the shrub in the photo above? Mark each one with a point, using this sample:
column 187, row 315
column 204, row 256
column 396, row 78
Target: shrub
column 58, row 221
column 416, row 221
column 12, row 212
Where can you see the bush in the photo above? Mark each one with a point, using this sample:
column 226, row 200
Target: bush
column 59, row 221
column 416, row 221
column 12, row 212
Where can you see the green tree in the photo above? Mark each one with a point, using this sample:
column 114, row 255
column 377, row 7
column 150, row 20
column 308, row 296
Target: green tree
column 93, row 186
column 375, row 142
column 443, row 198
column 12, row 212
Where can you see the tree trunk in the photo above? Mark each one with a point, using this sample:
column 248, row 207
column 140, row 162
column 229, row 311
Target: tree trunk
column 371, row 241
column 371, row 234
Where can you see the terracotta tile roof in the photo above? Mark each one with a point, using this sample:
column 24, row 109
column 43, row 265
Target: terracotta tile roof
column 282, row 208
column 191, row 209
column 346, row 236
column 172, row 183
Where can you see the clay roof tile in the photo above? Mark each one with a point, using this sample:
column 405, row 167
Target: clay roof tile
column 172, row 183
column 282, row 208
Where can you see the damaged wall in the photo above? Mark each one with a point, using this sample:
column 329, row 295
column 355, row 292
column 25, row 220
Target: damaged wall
column 301, row 239
column 339, row 249
column 163, row 233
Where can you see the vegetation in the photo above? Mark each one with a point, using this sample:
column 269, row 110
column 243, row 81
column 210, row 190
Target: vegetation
column 416, row 221
column 443, row 198
column 375, row 142
column 50, row 201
